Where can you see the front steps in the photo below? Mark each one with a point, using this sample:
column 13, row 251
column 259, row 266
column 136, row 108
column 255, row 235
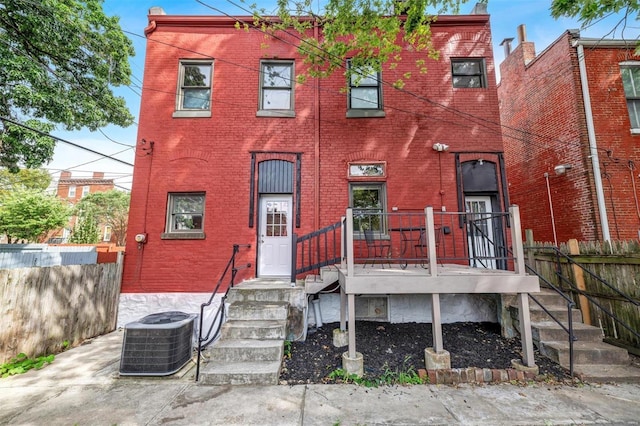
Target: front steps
column 251, row 343
column 594, row 360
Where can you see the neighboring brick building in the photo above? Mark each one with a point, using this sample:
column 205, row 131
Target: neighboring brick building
column 577, row 103
column 224, row 137
column 73, row 190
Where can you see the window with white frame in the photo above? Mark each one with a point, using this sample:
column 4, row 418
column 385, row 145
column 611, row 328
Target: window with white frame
column 185, row 213
column 631, row 81
column 276, row 89
column 365, row 93
column 368, row 201
column 106, row 236
column 85, row 190
column 72, row 191
column 194, row 89
column 468, row 73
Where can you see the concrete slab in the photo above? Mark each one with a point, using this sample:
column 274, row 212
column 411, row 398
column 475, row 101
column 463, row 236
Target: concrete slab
column 234, row 405
column 389, row 405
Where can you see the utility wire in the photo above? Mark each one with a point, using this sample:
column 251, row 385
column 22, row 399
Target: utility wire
column 65, row 141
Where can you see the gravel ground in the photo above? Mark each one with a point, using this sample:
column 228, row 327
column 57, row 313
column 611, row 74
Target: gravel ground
column 400, row 348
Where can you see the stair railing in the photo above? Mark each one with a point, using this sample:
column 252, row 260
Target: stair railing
column 218, row 319
column 315, row 250
column 570, row 305
column 561, row 257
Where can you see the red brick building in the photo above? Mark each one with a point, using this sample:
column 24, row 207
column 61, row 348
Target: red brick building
column 73, row 190
column 231, row 149
column 571, row 127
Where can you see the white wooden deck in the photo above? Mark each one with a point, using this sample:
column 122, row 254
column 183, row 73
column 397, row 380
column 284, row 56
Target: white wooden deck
column 435, row 278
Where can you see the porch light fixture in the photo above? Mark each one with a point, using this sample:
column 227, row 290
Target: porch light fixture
column 562, row 169
column 440, row 147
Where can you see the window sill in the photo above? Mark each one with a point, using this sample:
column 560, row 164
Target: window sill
column 365, row 113
column 280, row 113
column 192, row 114
column 635, row 131
column 182, row 236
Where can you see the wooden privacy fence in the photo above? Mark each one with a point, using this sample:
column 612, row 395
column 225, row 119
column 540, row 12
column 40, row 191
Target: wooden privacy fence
column 618, row 264
column 40, row 308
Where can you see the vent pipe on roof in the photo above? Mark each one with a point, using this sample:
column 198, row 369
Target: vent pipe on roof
column 507, row 46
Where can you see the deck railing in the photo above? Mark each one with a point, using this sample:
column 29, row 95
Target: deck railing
column 403, row 239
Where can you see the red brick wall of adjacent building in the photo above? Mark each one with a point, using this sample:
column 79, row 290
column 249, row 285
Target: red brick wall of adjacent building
column 213, row 154
column 543, row 115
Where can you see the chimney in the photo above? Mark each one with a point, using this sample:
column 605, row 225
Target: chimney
column 507, row 46
column 156, row 10
column 522, row 33
column 65, row 174
column 98, row 175
column 479, row 9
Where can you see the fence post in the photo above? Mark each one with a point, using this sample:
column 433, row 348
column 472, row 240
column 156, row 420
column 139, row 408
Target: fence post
column 578, row 275
column 531, row 259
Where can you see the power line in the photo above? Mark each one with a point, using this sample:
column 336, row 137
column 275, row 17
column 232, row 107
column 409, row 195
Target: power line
column 66, row 141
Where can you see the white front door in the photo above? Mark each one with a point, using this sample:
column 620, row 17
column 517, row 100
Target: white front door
column 274, row 240
column 480, row 236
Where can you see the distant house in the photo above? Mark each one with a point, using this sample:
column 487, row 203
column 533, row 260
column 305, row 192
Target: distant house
column 233, row 150
column 73, row 190
column 571, row 120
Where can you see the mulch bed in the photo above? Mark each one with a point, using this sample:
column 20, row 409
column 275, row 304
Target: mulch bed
column 400, row 348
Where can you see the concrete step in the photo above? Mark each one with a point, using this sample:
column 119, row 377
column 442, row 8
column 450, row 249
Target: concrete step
column 262, row 330
column 548, row 297
column 585, row 353
column 550, row 331
column 598, row 373
column 254, row 310
column 263, row 290
column 537, row 314
column 240, row 373
column 235, row 350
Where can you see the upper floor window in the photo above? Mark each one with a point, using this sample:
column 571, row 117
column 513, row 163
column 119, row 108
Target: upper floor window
column 194, row 89
column 185, row 216
column 631, row 81
column 85, row 190
column 468, row 73
column 106, row 236
column 72, row 191
column 276, row 89
column 365, row 93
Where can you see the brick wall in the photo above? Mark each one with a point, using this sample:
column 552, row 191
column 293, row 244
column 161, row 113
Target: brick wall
column 213, row 154
column 544, row 125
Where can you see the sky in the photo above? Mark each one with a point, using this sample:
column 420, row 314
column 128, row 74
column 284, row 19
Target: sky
column 118, row 143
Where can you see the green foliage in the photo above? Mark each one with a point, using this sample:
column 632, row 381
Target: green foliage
column 402, row 376
column 369, row 32
column 22, row 363
column 86, row 230
column 31, row 214
column 110, row 208
column 59, row 61
column 588, row 11
column 287, row 348
column 36, row 179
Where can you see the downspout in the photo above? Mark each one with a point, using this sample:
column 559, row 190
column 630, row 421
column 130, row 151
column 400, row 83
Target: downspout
column 593, row 147
column 316, row 142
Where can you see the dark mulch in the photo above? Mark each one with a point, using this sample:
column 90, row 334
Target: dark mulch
column 400, row 347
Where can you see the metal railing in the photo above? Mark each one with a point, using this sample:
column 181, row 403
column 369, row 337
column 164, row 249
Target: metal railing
column 218, row 319
column 316, row 249
column 570, row 305
column 561, row 258
column 402, row 238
